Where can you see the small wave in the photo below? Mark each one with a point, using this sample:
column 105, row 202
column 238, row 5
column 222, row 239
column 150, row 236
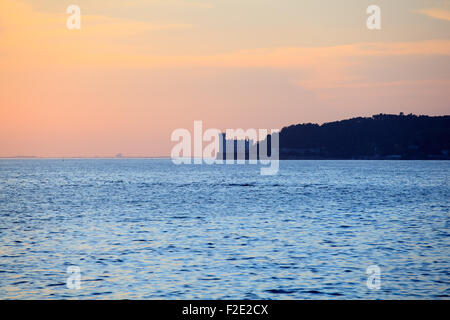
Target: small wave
column 56, row 284
column 209, row 279
column 282, row 291
column 313, row 292
column 241, row 184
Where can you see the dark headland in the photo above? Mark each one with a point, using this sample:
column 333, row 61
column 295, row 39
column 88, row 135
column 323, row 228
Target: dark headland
column 380, row 137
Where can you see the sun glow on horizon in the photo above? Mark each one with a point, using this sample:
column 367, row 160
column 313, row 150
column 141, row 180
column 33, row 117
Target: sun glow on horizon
column 136, row 71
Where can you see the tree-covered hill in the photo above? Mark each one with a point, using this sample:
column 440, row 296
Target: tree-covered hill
column 381, row 136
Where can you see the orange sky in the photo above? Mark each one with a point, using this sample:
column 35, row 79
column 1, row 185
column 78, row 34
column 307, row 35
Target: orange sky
column 139, row 69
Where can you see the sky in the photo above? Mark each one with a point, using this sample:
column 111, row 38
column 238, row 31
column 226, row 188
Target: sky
column 137, row 70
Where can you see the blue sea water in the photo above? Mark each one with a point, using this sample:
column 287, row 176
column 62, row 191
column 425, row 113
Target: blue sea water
column 148, row 229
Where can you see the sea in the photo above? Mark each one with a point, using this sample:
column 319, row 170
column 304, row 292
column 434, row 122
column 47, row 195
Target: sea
column 150, row 229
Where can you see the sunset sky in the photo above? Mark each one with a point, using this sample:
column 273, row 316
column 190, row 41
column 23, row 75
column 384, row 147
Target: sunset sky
column 139, row 69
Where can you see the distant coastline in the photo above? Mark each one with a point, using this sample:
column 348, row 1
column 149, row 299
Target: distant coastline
column 380, row 137
column 89, row 157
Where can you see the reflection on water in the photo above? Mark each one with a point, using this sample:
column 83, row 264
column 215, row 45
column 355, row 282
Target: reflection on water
column 149, row 229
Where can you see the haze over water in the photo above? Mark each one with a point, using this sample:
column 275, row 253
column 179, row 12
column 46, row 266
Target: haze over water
column 145, row 228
